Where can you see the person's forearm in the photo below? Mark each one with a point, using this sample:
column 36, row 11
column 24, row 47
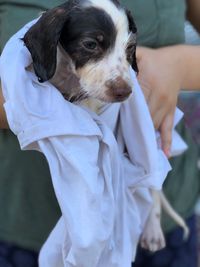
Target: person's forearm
column 190, row 63
column 193, row 13
column 185, row 60
column 3, row 120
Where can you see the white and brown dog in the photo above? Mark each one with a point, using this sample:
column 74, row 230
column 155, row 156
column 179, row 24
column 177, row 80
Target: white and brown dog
column 85, row 48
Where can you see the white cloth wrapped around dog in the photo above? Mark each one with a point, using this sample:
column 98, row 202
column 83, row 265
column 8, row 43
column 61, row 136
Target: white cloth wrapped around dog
column 102, row 191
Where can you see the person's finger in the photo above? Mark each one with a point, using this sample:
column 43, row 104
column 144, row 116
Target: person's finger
column 166, row 133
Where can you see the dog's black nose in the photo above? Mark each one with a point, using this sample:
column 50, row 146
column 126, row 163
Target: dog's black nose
column 118, row 89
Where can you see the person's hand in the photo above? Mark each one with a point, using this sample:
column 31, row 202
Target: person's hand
column 160, row 79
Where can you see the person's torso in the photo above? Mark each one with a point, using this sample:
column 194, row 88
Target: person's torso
column 159, row 22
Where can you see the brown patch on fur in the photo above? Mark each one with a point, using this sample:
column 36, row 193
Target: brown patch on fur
column 65, row 78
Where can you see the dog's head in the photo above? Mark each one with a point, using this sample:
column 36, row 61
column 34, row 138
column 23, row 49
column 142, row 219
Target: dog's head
column 99, row 37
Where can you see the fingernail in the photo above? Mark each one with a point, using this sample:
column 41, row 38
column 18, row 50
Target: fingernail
column 167, row 152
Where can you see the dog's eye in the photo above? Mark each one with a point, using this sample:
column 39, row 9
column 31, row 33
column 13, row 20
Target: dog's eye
column 90, row 45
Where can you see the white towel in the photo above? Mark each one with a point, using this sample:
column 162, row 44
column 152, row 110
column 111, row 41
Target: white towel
column 102, row 192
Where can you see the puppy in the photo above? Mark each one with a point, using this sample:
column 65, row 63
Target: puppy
column 85, row 48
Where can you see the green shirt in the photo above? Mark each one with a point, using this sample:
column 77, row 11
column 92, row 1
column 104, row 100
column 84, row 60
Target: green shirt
column 159, row 22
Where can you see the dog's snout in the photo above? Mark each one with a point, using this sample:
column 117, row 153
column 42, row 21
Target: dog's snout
column 118, row 89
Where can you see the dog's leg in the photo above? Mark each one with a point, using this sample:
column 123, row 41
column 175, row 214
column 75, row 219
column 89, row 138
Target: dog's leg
column 174, row 215
column 152, row 237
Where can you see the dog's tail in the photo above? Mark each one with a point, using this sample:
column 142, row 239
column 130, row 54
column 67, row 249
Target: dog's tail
column 174, row 215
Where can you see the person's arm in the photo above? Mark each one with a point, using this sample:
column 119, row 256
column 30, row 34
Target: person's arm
column 3, row 120
column 162, row 73
column 193, row 13
column 190, row 62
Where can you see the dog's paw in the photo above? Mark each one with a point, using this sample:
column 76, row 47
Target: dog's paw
column 152, row 237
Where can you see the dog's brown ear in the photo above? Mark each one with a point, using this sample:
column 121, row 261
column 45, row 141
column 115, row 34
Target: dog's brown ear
column 133, row 29
column 42, row 39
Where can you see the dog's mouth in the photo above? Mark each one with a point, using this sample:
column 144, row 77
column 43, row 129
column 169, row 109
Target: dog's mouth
column 83, row 95
column 106, row 98
column 120, row 98
column 109, row 99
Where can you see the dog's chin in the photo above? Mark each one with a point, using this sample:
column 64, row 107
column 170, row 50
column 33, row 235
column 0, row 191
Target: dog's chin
column 113, row 99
